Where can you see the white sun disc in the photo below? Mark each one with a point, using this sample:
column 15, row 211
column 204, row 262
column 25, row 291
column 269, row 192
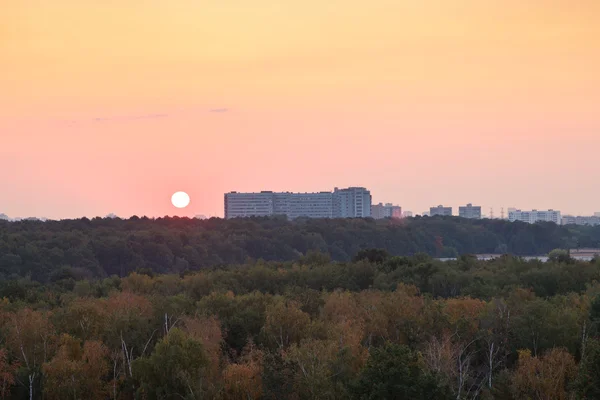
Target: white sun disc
column 180, row 199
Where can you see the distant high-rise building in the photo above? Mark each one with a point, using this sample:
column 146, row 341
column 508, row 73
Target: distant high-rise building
column 534, row 216
column 470, row 211
column 4, row 217
column 407, row 214
column 440, row 210
column 388, row 210
column 342, row 203
column 353, row 202
column 597, row 214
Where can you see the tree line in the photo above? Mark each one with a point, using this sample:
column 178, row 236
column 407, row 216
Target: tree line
column 99, row 248
column 376, row 327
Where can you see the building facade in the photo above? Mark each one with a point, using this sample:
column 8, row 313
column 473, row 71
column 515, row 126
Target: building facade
column 407, row 214
column 239, row 205
column 388, row 210
column 341, row 203
column 580, row 220
column 470, row 211
column 531, row 217
column 568, row 220
column 311, row 205
column 440, row 210
column 353, row 202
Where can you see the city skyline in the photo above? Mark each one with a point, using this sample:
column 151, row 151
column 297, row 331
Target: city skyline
column 453, row 101
column 455, row 210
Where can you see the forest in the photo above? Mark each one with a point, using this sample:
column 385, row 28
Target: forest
column 103, row 247
column 376, row 327
column 315, row 309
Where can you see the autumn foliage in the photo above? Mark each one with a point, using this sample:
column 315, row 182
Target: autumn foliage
column 308, row 330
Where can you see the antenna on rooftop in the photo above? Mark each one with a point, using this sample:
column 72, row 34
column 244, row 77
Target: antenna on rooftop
column 491, row 213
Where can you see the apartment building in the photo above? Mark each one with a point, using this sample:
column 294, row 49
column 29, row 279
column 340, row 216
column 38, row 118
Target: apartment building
column 533, row 216
column 353, row 202
column 470, row 211
column 341, row 203
column 440, row 210
column 387, row 210
column 580, row 220
column 239, row 205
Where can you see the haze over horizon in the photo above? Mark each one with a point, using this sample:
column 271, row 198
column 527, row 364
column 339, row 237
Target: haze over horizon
column 113, row 107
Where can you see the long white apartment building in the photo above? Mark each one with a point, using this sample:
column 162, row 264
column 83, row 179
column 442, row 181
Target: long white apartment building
column 352, row 202
column 249, row 204
column 581, row 220
column 295, row 205
column 533, row 216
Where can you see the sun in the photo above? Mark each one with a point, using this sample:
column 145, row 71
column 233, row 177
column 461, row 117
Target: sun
column 180, row 199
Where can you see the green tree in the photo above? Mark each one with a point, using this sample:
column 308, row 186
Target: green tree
column 394, row 372
column 560, row 256
column 587, row 383
column 174, row 370
column 377, row 256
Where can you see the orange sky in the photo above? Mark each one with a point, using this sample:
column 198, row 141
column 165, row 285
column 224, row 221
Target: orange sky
column 105, row 106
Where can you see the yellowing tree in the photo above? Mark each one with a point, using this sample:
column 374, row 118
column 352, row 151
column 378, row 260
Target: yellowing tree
column 543, row 378
column 77, row 372
column 7, row 374
column 285, row 323
column 30, row 337
column 242, row 380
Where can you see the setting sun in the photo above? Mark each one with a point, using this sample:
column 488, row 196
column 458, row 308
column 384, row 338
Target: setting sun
column 180, row 199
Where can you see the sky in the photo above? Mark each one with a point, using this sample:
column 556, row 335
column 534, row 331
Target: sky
column 111, row 106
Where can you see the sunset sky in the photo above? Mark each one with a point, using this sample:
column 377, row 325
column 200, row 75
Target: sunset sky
column 111, row 106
